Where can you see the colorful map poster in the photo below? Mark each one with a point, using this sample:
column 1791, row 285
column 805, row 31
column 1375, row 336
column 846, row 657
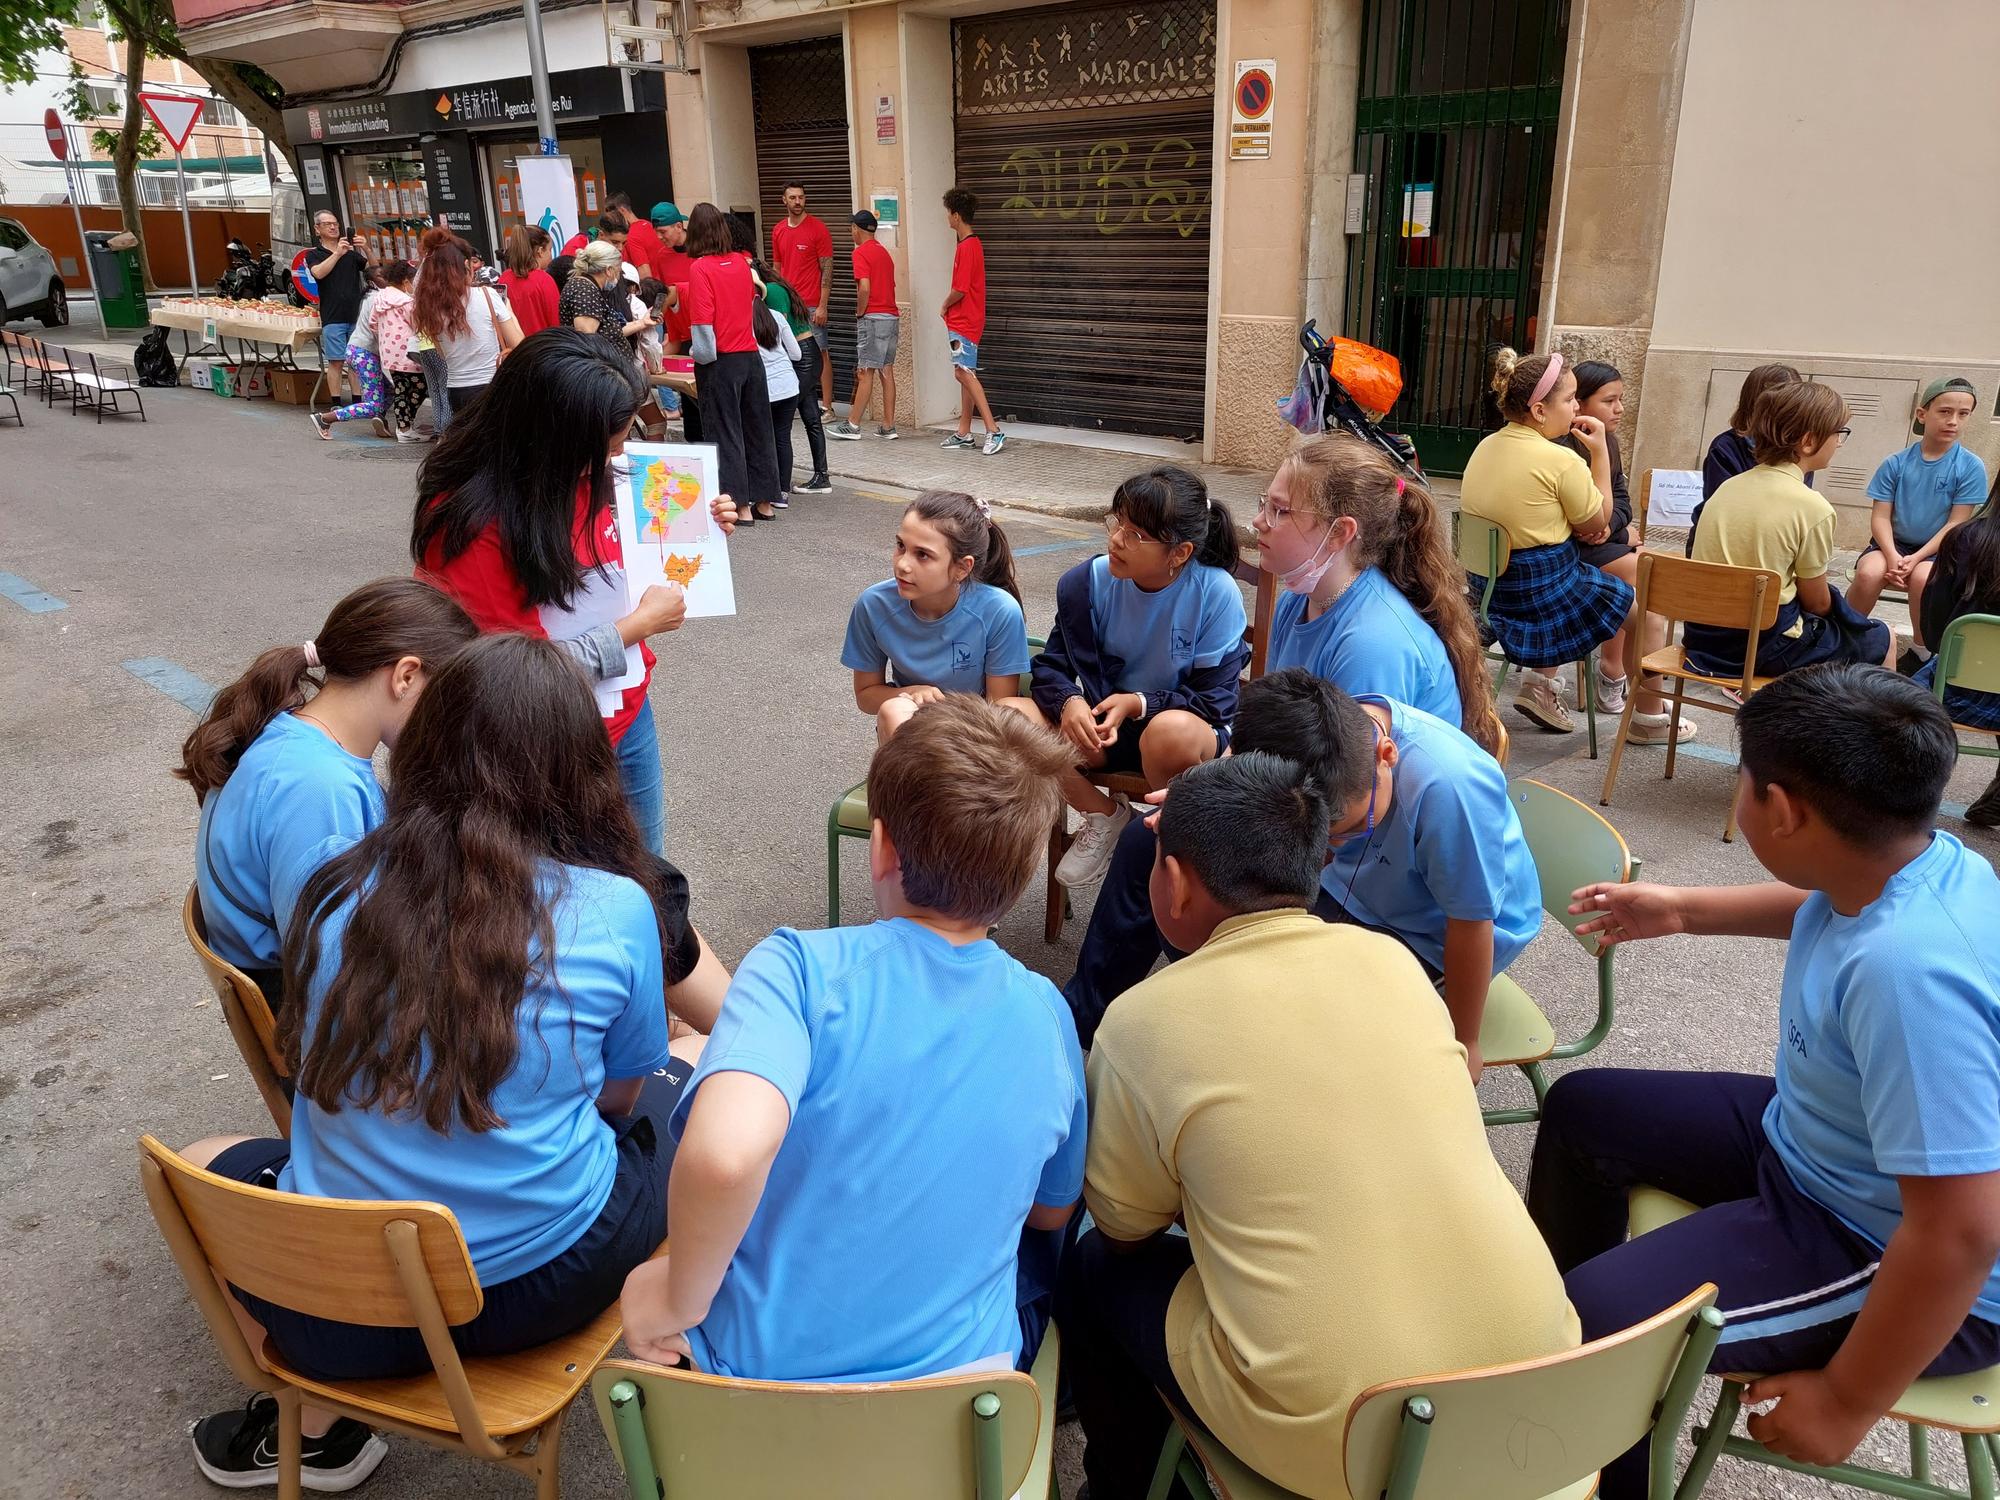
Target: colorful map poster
column 666, row 529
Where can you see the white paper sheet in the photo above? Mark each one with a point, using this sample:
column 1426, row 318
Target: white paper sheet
column 1676, row 492
column 666, row 529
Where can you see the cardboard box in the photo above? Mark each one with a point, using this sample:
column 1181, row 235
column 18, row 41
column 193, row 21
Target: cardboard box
column 200, row 374
column 253, row 380
column 222, row 379
column 293, row 387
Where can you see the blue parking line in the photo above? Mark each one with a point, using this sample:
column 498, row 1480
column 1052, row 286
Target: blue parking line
column 173, row 679
column 1728, row 758
column 30, row 598
column 1039, row 549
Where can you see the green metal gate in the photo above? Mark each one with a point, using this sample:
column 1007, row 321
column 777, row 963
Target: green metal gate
column 1455, row 135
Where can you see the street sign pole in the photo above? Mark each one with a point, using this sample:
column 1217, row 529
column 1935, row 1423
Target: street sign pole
column 538, row 69
column 58, row 134
column 187, row 222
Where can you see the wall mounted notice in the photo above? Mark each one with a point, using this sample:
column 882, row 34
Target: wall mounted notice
column 1419, row 209
column 1676, row 492
column 885, row 119
column 1250, row 105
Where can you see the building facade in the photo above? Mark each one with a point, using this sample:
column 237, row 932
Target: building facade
column 1171, row 187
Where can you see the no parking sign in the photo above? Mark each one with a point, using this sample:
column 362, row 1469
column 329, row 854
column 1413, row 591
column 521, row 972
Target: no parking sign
column 1250, row 105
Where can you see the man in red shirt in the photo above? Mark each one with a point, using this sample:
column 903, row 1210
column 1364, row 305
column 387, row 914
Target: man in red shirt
column 802, row 250
column 642, row 246
column 670, row 228
column 877, row 331
column 965, row 320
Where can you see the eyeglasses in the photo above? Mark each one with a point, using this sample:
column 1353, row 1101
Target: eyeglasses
column 1124, row 535
column 1270, row 510
column 1843, row 433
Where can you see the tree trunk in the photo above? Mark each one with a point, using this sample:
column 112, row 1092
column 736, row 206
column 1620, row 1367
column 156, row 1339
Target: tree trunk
column 125, row 159
column 257, row 111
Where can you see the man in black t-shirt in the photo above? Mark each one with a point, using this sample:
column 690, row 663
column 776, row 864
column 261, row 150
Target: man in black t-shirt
column 342, row 274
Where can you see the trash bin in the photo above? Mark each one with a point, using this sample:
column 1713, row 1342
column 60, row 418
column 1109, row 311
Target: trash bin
column 121, row 292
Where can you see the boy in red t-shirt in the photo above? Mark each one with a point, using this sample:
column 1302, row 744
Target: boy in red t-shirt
column 877, row 330
column 965, row 320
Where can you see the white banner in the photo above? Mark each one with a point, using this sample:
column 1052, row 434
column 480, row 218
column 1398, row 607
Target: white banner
column 548, row 195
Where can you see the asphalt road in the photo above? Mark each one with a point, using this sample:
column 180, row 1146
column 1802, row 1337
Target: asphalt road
column 176, row 551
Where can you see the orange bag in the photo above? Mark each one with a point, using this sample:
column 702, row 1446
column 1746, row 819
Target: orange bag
column 1373, row 378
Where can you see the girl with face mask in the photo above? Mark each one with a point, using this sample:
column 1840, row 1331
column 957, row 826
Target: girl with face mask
column 1374, row 599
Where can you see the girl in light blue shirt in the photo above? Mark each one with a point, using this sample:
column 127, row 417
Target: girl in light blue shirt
column 948, row 620
column 1374, row 600
column 277, row 771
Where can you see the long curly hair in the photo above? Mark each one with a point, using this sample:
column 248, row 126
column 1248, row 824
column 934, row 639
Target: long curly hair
column 502, row 773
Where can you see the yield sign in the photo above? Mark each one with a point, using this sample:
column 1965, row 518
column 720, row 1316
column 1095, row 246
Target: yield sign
column 174, row 115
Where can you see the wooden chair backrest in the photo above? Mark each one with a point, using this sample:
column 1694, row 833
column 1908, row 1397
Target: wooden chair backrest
column 1708, row 593
column 1522, row 1431
column 1483, row 547
column 245, row 1010
column 1969, row 655
column 327, row 1257
column 1503, row 743
column 1642, row 504
column 912, row 1440
column 1573, row 846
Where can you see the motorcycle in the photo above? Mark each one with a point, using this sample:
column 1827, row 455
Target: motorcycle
column 248, row 276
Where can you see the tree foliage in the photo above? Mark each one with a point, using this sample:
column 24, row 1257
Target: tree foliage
column 28, row 30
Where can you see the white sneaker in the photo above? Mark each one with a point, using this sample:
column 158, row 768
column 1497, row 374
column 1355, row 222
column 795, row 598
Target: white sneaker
column 1652, row 729
column 1090, row 851
column 1610, row 694
column 1539, row 698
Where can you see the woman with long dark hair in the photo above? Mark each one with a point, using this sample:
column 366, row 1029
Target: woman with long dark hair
column 1600, row 393
column 1966, row 581
column 282, row 759
column 480, row 1025
column 728, row 370
column 514, row 521
column 471, row 325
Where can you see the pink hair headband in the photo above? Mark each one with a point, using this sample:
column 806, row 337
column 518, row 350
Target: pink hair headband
column 1550, row 376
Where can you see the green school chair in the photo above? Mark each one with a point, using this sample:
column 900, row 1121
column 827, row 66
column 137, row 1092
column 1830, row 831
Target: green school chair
column 1483, row 551
column 682, row 1435
column 1969, row 657
column 1537, row 1430
column 1573, row 846
column 1968, row 1405
column 848, row 817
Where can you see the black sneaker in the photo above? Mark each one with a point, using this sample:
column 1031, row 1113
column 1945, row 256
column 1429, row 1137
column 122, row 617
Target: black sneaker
column 239, row 1450
column 1985, row 812
column 819, row 484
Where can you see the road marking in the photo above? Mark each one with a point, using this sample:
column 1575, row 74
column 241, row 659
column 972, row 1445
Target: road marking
column 1728, row 758
column 30, row 598
column 1041, row 547
column 173, row 679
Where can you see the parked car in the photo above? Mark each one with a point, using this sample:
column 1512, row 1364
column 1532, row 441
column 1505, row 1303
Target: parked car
column 30, row 284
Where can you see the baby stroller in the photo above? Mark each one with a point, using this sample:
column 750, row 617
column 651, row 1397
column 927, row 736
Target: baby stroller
column 1346, row 386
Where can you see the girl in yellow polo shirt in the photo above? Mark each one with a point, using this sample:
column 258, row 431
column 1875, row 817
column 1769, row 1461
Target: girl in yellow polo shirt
column 1550, row 607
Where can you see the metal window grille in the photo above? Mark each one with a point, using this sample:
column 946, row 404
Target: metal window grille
column 1084, row 57
column 799, row 85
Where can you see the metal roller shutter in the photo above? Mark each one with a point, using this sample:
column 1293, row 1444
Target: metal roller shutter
column 799, row 96
column 1094, row 214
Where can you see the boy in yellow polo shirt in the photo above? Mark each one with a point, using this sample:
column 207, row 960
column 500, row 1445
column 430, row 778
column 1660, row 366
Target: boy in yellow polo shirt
column 1766, row 517
column 1292, row 1091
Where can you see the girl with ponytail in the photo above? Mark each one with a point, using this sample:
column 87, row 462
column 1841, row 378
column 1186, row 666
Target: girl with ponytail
column 1140, row 673
column 1374, row 598
column 948, row 621
column 282, row 761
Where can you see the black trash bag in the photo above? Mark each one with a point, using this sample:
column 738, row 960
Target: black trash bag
column 154, row 361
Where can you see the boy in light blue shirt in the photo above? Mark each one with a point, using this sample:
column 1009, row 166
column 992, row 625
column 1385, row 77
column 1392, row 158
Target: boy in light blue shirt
column 882, row 1110
column 1427, row 847
column 1920, row 494
column 1849, row 1208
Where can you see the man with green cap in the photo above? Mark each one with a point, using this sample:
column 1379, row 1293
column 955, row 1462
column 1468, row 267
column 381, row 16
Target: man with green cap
column 670, row 265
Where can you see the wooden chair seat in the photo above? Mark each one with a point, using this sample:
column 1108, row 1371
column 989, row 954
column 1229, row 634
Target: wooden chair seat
column 1513, row 1031
column 516, row 1393
column 1967, row 1403
column 1671, row 661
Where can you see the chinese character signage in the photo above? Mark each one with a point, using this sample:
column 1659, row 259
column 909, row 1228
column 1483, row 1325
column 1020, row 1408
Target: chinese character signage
column 576, row 93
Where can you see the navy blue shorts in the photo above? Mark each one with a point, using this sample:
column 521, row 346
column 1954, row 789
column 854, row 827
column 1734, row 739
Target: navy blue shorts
column 1122, row 754
column 552, row 1300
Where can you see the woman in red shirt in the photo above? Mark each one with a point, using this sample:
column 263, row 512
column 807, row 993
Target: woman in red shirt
column 529, row 286
column 514, row 521
column 728, row 369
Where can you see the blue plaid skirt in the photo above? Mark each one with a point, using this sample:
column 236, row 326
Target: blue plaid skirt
column 1980, row 710
column 1549, row 607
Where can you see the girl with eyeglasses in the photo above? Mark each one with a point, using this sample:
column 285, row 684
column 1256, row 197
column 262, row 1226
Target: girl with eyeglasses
column 1766, row 517
column 1140, row 673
